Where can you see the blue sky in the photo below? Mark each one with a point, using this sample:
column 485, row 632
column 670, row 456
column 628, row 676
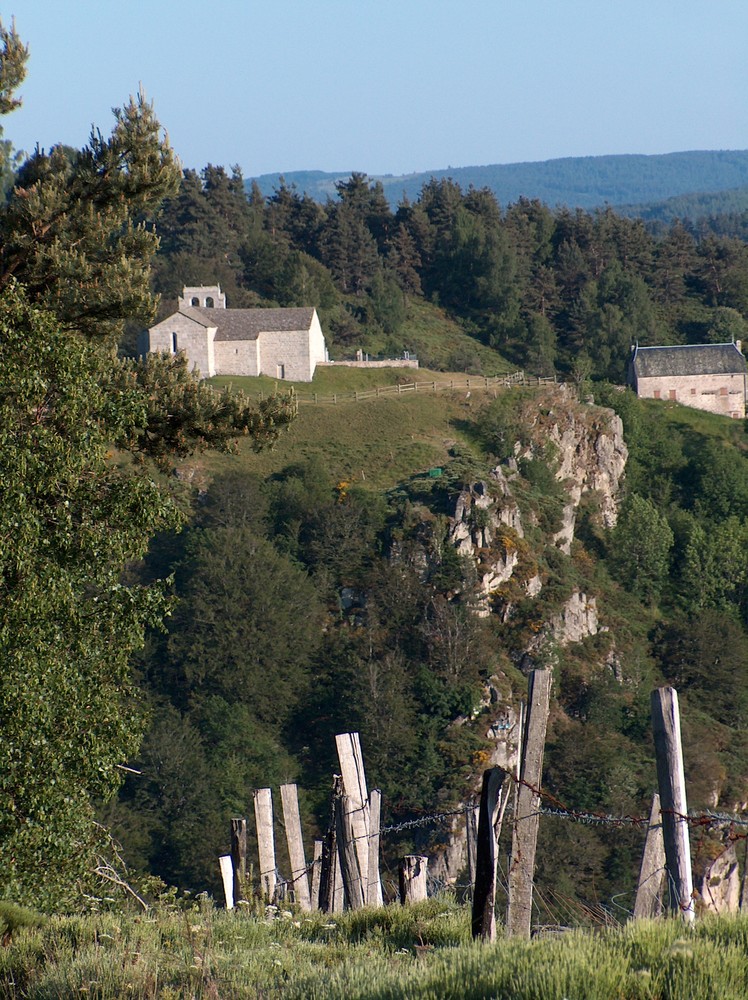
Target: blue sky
column 391, row 86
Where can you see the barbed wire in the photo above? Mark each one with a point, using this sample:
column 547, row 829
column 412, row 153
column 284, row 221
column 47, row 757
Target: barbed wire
column 410, row 824
column 709, row 819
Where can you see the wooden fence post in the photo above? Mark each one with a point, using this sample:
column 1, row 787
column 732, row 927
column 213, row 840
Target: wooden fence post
column 227, row 877
column 744, row 887
column 526, row 817
column 338, row 889
column 330, row 882
column 353, row 882
column 239, row 855
column 471, row 843
column 672, row 784
column 327, row 872
column 648, row 901
column 354, row 785
column 412, row 871
column 263, row 803
column 490, row 813
column 294, row 839
column 316, row 872
column 374, row 887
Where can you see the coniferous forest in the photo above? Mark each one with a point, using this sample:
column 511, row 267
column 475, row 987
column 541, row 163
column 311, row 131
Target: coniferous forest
column 181, row 625
column 564, row 291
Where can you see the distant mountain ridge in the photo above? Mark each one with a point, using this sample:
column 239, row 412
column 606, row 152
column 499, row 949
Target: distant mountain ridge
column 575, row 182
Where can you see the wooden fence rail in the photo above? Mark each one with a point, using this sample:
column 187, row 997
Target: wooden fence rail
column 467, row 384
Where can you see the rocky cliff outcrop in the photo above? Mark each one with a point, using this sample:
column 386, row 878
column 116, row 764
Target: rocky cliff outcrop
column 592, row 456
column 586, row 448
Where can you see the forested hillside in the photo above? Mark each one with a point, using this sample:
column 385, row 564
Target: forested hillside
column 562, row 291
column 573, row 182
column 724, row 212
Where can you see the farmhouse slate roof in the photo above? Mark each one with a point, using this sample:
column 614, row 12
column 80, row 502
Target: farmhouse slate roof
column 248, row 324
column 688, row 359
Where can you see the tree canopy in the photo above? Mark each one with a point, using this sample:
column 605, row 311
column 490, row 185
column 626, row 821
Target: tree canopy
column 77, row 242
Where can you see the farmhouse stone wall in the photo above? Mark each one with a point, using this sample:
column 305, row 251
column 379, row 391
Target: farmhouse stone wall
column 392, row 363
column 237, row 357
column 180, row 333
column 723, row 394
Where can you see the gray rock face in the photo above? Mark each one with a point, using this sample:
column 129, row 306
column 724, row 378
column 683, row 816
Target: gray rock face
column 592, row 456
column 576, row 621
column 482, row 513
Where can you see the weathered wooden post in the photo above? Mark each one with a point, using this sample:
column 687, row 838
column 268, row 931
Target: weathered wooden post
column 354, row 785
column 331, row 883
column 374, row 888
column 316, row 872
column 744, row 887
column 412, row 872
column 263, row 803
column 294, row 839
column 720, row 886
column 471, row 842
column 227, row 877
column 338, row 889
column 527, row 817
column 490, row 813
column 648, row 901
column 239, row 855
column 353, row 880
column 327, row 872
column 672, row 785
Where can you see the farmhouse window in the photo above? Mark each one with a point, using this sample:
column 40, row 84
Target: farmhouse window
column 657, row 394
column 723, row 390
column 174, row 343
column 673, row 394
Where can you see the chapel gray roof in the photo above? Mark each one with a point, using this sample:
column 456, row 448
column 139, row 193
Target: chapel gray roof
column 688, row 359
column 247, row 324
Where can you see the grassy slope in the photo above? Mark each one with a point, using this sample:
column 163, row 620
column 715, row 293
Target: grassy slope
column 438, row 340
column 698, row 422
column 376, row 441
column 430, row 333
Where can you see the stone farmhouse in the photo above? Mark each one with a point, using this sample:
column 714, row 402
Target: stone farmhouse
column 282, row 343
column 711, row 377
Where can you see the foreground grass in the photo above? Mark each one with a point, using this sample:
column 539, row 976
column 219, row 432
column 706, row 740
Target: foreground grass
column 424, row 952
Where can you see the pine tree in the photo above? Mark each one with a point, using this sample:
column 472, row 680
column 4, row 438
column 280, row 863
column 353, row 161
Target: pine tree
column 74, row 264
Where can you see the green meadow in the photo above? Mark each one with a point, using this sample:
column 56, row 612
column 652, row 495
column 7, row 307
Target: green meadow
column 423, row 951
column 376, row 442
